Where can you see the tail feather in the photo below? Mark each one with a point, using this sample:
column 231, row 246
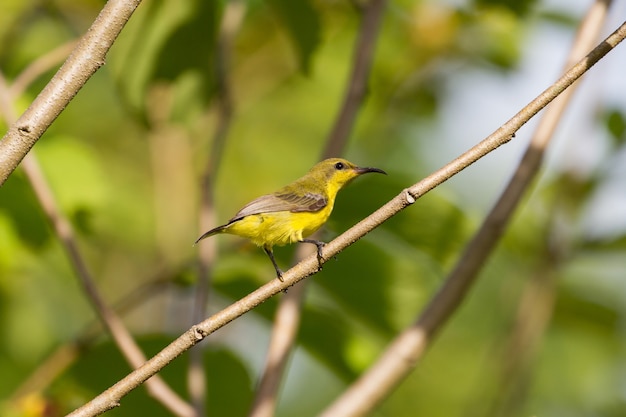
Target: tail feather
column 214, row 231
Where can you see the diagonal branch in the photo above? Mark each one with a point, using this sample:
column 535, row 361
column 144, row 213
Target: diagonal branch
column 65, row 355
column 88, row 56
column 65, row 232
column 120, row 334
column 111, row 397
column 406, row 350
column 537, row 300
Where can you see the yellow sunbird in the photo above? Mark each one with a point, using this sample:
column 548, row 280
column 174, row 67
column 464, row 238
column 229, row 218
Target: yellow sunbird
column 295, row 211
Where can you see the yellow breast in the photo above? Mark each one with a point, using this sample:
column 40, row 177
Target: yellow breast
column 279, row 228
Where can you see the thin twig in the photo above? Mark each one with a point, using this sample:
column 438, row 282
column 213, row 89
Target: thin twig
column 122, row 337
column 231, row 21
column 88, row 56
column 284, row 331
column 536, row 304
column 533, row 315
column 288, row 314
column 357, row 88
column 65, row 232
column 405, row 351
column 58, row 361
column 111, row 397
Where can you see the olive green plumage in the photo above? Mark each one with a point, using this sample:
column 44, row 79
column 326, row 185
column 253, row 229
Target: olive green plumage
column 295, row 211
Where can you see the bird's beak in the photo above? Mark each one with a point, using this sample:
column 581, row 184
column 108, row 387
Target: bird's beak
column 365, row 170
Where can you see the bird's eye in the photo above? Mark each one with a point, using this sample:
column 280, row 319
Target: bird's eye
column 339, row 166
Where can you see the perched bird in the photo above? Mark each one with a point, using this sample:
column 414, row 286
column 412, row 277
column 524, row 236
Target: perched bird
column 295, row 211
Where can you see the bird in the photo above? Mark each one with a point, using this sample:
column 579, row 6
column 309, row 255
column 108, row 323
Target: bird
column 295, row 211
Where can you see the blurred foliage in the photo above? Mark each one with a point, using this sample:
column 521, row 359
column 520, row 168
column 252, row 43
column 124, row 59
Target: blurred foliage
column 616, row 125
column 125, row 160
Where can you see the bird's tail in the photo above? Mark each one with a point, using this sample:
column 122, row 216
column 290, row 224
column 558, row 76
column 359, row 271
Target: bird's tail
column 212, row 232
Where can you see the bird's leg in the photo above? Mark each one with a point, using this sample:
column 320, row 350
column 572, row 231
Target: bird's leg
column 270, row 253
column 319, row 245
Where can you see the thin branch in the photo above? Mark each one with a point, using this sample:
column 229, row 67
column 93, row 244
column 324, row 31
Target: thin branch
column 536, row 305
column 88, row 56
column 65, row 232
column 288, row 314
column 231, row 20
column 284, row 332
column 122, row 337
column 405, row 351
column 532, row 318
column 363, row 54
column 111, row 397
column 55, row 364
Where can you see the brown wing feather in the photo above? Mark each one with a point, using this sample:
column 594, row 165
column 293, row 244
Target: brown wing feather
column 307, row 202
column 282, row 202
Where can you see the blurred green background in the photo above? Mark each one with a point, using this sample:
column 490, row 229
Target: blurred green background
column 125, row 161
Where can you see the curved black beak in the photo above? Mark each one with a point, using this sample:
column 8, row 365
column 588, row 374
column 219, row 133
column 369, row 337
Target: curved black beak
column 365, row 170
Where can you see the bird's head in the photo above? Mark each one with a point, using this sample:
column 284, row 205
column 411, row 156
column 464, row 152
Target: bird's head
column 337, row 172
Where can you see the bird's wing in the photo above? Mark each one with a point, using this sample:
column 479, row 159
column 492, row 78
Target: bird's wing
column 283, row 202
column 301, row 203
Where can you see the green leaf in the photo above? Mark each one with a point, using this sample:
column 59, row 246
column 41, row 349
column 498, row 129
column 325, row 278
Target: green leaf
column 326, row 335
column 359, row 279
column 171, row 44
column 190, row 47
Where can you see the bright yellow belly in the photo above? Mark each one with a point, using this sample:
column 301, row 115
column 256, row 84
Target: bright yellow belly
column 279, row 228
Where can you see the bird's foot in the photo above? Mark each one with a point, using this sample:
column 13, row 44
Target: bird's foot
column 319, row 244
column 279, row 275
column 320, row 258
